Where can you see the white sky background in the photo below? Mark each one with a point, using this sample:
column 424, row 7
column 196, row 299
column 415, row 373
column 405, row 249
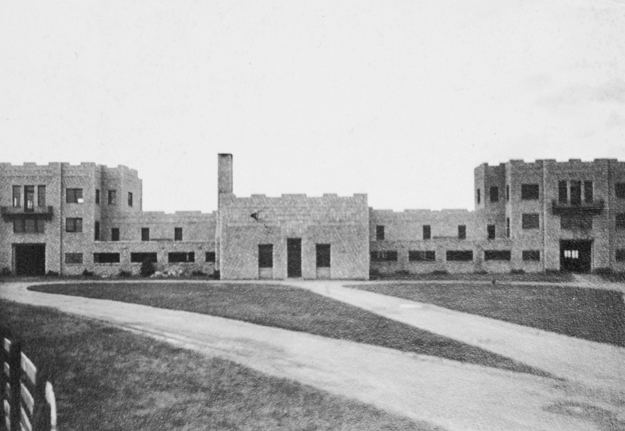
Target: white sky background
column 397, row 99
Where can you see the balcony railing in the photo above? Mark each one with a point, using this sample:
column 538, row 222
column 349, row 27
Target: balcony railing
column 593, row 208
column 9, row 213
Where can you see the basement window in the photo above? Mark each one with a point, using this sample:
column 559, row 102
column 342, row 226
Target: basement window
column 421, row 256
column 105, row 257
column 531, row 255
column 181, row 257
column 459, row 255
column 496, row 254
column 143, row 257
column 73, row 258
column 210, row 256
column 384, row 256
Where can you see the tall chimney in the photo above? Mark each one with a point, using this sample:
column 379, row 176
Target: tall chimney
column 224, row 173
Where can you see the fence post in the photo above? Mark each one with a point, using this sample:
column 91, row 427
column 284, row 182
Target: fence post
column 4, row 378
column 15, row 365
column 41, row 414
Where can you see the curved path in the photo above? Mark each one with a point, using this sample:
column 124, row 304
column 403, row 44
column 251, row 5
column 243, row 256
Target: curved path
column 450, row 394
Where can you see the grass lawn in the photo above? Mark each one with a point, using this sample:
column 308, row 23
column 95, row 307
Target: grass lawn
column 592, row 314
column 293, row 309
column 536, row 277
column 110, row 379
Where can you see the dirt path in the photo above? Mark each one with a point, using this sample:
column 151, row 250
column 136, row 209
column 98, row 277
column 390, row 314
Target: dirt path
column 453, row 395
column 598, row 365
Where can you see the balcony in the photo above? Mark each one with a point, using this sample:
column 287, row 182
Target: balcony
column 591, row 208
column 10, row 213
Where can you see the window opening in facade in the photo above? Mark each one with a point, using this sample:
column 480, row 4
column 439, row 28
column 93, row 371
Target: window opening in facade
column 459, row 255
column 265, row 255
column 620, row 221
column 22, row 225
column 379, row 233
column 96, row 231
column 384, row 256
column 105, row 257
column 507, row 192
column 479, row 198
column 497, row 254
column 620, row 255
column 530, row 192
column 462, row 231
column 507, row 227
column 576, row 222
column 17, row 196
column 143, row 257
column 588, row 192
column 563, row 192
column 576, row 192
column 210, row 256
column 491, row 231
column 178, row 234
column 181, row 257
column 129, row 199
column 73, row 196
column 73, row 224
column 41, row 196
column 115, row 234
column 112, row 197
column 73, row 258
column 427, row 232
column 145, row 234
column 97, row 196
column 530, row 221
column 619, row 190
column 531, row 255
column 323, row 255
column 421, row 256
column 29, row 198
column 494, row 194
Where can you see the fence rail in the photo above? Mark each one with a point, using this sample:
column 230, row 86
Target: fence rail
column 26, row 394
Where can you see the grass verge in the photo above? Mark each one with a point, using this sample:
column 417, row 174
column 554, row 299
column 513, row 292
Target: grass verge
column 536, row 277
column 109, row 379
column 591, row 314
column 293, row 309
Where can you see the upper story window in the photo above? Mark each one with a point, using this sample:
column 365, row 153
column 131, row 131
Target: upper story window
column 490, row 229
column 379, row 233
column 530, row 192
column 530, row 221
column 115, row 234
column 73, row 224
column 619, row 190
column 427, row 231
column 563, row 192
column 96, row 231
column 28, row 225
column 145, row 234
column 478, row 197
column 588, row 192
column 73, row 196
column 462, row 231
column 507, row 227
column 97, row 196
column 620, row 221
column 17, row 196
column 112, row 197
column 41, row 196
column 129, row 199
column 29, row 198
column 178, row 234
column 494, row 194
column 507, row 192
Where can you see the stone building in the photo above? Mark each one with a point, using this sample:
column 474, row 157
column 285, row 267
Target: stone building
column 539, row 216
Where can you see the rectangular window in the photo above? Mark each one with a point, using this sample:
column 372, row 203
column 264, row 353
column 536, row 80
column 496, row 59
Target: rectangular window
column 105, row 257
column 210, row 256
column 145, row 234
column 28, row 226
column 143, row 257
column 507, row 192
column 620, row 221
column 115, row 234
column 588, row 192
column 379, row 233
column 96, row 231
column 181, row 257
column 530, row 221
column 494, row 194
column 17, row 196
column 563, row 192
column 29, row 198
column 497, row 254
column 384, row 256
column 73, row 258
column 531, row 255
column 459, row 255
column 576, row 192
column 41, row 196
column 323, row 255
column 507, row 227
column 112, row 197
column 178, row 234
column 421, row 256
column 529, row 192
column 73, row 196
column 265, row 255
column 462, row 232
column 576, row 222
column 97, row 196
column 73, row 224
column 620, row 255
column 491, row 231
column 427, row 231
column 479, row 198
column 129, row 199
column 619, row 190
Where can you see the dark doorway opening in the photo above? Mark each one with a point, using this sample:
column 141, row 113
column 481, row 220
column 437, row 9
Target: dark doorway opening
column 294, row 257
column 575, row 256
column 30, row 259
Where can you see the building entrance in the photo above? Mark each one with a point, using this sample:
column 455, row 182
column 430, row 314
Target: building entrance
column 30, row 259
column 575, row 256
column 294, row 257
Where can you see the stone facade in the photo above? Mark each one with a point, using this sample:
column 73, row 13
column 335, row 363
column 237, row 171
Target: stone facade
column 538, row 216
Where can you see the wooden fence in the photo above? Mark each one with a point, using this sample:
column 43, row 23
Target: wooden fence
column 27, row 396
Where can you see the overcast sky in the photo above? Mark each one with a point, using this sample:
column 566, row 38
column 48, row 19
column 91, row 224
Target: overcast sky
column 397, row 99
